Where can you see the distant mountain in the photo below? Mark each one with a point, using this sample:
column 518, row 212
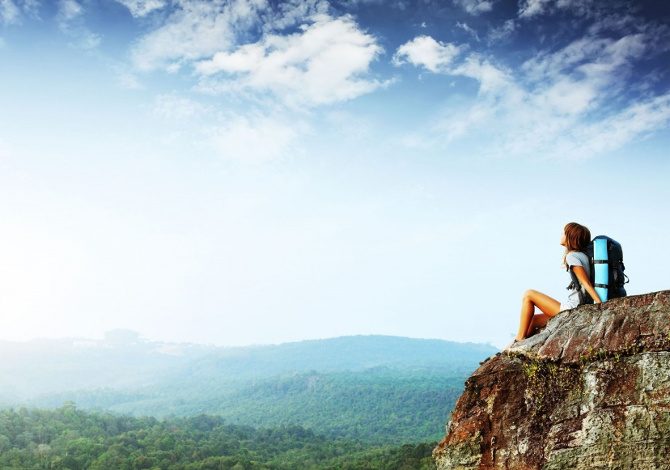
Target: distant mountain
column 347, row 353
column 376, row 388
column 122, row 359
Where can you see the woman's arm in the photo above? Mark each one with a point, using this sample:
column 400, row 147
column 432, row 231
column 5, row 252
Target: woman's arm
column 584, row 280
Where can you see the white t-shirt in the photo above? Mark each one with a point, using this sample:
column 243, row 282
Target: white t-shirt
column 576, row 258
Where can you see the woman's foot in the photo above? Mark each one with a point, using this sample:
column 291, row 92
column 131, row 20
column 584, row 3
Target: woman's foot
column 510, row 345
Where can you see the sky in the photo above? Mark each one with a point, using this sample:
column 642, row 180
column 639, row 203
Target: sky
column 251, row 172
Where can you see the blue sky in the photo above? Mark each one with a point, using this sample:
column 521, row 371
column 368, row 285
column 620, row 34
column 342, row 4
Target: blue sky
column 239, row 172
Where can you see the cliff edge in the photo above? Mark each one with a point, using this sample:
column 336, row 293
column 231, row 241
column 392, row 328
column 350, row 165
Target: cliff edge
column 591, row 391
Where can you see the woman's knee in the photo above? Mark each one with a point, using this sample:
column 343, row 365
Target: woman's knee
column 529, row 294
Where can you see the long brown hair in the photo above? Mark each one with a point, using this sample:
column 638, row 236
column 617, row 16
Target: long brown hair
column 577, row 238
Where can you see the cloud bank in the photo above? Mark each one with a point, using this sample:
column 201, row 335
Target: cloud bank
column 573, row 101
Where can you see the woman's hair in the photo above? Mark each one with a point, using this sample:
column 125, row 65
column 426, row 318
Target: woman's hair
column 577, row 238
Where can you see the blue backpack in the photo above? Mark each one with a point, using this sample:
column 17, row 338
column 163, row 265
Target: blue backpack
column 607, row 270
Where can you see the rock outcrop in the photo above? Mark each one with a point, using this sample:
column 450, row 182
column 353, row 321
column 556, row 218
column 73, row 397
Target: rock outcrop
column 590, row 391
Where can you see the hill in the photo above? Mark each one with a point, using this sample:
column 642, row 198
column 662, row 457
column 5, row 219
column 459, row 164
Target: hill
column 379, row 389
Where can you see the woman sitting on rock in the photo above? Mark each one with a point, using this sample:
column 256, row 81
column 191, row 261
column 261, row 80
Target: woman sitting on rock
column 575, row 239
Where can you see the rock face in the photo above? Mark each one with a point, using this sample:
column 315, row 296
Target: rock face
column 591, row 391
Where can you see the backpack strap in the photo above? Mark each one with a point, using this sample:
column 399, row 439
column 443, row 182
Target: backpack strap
column 584, row 297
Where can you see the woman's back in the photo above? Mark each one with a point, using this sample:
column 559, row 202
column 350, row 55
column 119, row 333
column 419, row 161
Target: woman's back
column 576, row 258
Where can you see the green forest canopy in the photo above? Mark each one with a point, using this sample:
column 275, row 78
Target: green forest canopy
column 68, row 438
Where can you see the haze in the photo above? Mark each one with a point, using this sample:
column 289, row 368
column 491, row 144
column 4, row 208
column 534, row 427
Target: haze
column 244, row 172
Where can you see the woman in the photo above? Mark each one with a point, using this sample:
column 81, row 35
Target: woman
column 575, row 239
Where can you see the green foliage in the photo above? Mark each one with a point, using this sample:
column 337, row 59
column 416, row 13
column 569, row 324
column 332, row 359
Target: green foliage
column 378, row 390
column 547, row 384
column 68, row 438
column 380, row 406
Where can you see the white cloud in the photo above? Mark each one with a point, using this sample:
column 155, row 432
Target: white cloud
column 566, row 96
column 31, row 7
column 636, row 120
column 9, row 12
column 492, row 79
column 196, row 30
column 326, row 61
column 532, row 8
column 397, row 4
column 14, row 11
column 475, row 7
column 600, row 64
column 140, row 8
column 557, row 104
column 129, row 81
column 322, row 64
column 547, row 64
column 572, row 136
column 292, row 12
column 243, row 59
column 68, row 10
column 464, row 26
column 502, row 32
column 171, row 106
column 70, row 21
column 257, row 139
column 425, row 51
column 348, row 125
column 562, row 90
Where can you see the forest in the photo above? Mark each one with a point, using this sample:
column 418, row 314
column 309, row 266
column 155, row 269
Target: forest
column 363, row 402
column 381, row 407
column 69, row 438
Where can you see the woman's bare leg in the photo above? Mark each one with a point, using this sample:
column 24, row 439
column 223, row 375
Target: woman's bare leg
column 538, row 321
column 531, row 298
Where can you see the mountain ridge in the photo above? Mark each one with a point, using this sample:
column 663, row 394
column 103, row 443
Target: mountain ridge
column 373, row 387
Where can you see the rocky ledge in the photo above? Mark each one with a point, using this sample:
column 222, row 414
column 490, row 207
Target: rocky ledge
column 591, row 391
